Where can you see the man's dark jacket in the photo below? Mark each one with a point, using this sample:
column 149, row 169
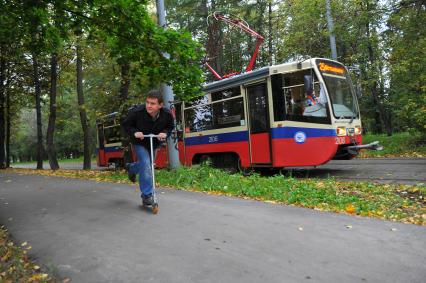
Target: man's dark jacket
column 138, row 120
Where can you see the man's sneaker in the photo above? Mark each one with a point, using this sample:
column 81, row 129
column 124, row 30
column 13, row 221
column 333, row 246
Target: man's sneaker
column 148, row 200
column 132, row 177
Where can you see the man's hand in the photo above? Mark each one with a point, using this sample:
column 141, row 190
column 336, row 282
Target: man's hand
column 162, row 136
column 139, row 135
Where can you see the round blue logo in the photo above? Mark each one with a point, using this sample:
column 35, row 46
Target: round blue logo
column 300, row 137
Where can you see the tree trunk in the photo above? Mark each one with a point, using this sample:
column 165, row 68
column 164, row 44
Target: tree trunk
column 259, row 25
column 125, row 81
column 2, row 113
column 270, row 32
column 82, row 110
column 50, row 146
column 8, row 123
column 37, row 87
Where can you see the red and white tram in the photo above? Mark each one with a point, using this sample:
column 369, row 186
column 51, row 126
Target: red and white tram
column 289, row 115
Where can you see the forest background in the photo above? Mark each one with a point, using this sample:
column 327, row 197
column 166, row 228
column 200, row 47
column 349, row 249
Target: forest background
column 64, row 64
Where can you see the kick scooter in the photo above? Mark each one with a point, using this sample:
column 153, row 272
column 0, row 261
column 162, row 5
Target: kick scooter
column 154, row 205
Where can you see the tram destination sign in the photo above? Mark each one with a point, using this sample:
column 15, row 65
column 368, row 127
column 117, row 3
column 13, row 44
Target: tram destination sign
column 331, row 68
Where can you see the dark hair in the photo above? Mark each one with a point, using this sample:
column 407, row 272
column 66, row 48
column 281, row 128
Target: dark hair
column 156, row 95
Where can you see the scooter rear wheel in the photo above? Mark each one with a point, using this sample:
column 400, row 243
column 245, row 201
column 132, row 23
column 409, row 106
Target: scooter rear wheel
column 155, row 208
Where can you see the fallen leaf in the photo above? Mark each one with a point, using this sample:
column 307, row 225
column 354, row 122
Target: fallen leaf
column 350, row 208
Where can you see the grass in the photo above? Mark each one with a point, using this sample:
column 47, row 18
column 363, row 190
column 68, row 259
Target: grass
column 392, row 202
column 15, row 266
column 397, row 145
column 65, row 160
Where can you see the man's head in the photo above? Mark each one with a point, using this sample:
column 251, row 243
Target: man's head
column 154, row 102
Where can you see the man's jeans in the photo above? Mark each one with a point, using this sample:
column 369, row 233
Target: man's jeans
column 143, row 168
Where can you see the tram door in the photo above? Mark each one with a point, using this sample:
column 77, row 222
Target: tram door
column 260, row 147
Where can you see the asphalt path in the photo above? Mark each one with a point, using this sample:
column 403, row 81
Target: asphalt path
column 410, row 171
column 96, row 232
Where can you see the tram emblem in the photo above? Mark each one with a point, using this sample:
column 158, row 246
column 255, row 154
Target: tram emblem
column 300, row 137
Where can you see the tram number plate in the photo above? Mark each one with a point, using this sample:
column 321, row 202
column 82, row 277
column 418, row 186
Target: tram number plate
column 340, row 140
column 213, row 139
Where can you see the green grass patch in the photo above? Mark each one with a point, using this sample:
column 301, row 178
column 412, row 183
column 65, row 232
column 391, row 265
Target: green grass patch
column 393, row 202
column 65, row 160
column 397, row 145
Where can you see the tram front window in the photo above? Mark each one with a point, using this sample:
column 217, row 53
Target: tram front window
column 339, row 90
column 342, row 98
column 292, row 101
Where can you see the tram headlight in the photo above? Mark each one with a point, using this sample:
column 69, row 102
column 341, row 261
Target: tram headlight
column 358, row 130
column 341, row 131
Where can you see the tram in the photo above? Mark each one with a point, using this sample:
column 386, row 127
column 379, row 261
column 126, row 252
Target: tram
column 299, row 114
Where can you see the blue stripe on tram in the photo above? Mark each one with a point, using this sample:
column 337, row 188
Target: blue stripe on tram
column 289, row 132
column 218, row 138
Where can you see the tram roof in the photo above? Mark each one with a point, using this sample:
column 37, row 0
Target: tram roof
column 257, row 74
column 237, row 80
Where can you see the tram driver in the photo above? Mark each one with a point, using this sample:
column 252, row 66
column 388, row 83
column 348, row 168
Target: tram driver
column 316, row 104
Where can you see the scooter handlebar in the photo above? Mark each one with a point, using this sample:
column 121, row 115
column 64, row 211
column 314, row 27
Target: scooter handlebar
column 151, row 136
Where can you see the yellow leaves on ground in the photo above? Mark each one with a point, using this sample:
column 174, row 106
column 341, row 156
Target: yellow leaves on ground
column 320, row 185
column 38, row 277
column 7, row 256
column 350, row 208
column 14, row 263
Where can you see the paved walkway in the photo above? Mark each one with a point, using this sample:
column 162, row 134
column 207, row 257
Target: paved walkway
column 96, row 232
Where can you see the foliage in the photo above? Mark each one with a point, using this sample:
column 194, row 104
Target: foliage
column 408, row 65
column 15, row 265
column 110, row 33
column 303, row 27
column 132, row 36
column 398, row 145
column 24, row 139
column 393, row 202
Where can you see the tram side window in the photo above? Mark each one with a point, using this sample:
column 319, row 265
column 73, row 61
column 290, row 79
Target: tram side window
column 178, row 115
column 229, row 113
column 112, row 134
column 278, row 97
column 226, row 93
column 199, row 119
column 178, row 120
column 219, row 115
column 293, row 103
column 101, row 137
